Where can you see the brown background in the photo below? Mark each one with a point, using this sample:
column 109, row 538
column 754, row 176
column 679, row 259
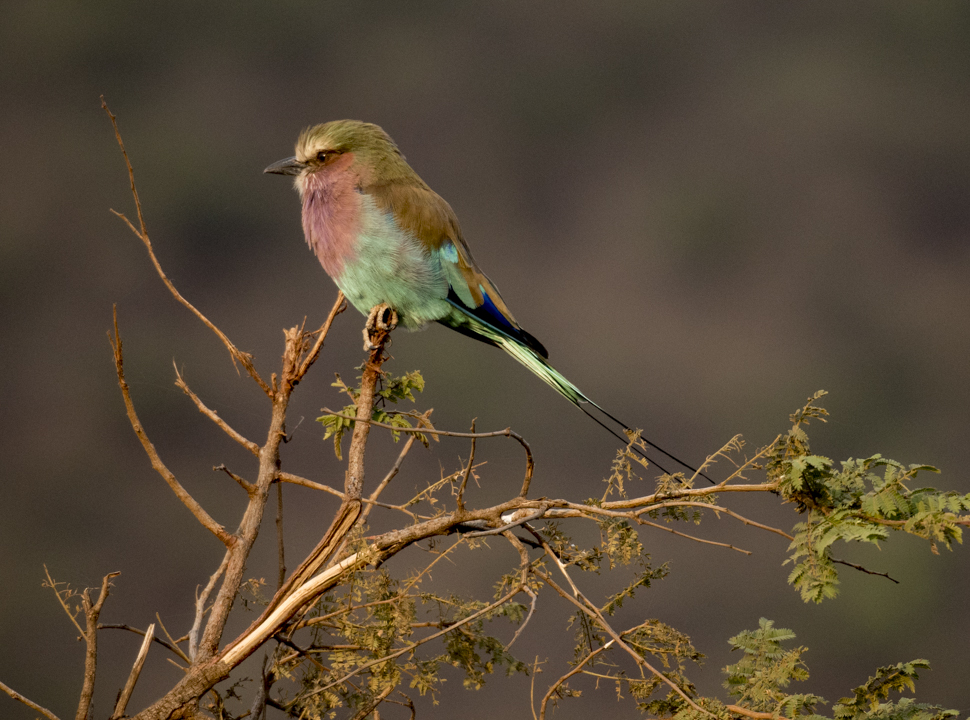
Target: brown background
column 706, row 211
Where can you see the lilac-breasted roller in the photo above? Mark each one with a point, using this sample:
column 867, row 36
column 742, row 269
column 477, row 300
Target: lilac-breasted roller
column 384, row 236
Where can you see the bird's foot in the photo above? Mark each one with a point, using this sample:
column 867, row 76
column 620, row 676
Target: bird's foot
column 382, row 319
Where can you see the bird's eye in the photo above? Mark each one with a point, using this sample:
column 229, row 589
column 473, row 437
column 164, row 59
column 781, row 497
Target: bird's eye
column 323, row 155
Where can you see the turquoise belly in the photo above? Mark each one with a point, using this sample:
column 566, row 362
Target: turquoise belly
column 390, row 266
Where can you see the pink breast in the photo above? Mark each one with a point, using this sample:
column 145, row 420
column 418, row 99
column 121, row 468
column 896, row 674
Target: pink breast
column 331, row 212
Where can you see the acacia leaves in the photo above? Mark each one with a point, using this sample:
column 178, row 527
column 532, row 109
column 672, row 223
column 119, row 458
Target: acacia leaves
column 760, row 678
column 862, row 501
column 393, row 390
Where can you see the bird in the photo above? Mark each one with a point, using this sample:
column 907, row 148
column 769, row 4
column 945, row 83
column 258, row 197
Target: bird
column 386, row 238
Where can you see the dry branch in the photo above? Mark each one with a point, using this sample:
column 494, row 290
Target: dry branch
column 245, row 359
column 212, row 414
column 29, row 703
column 180, row 492
column 168, row 644
column 91, row 613
column 135, row 672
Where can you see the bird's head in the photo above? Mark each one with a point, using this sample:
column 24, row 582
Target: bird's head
column 344, row 145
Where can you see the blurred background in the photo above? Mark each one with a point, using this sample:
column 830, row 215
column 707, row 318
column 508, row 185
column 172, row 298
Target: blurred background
column 705, row 210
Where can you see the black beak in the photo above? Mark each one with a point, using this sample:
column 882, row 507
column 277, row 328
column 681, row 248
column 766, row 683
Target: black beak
column 287, row 166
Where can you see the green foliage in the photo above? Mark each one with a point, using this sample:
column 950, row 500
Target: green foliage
column 644, row 577
column 758, row 680
column 862, row 501
column 375, row 629
column 619, row 541
column 374, row 618
column 867, row 699
column 393, row 390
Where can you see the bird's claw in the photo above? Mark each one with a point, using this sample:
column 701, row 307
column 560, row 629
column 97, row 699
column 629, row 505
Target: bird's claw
column 382, row 319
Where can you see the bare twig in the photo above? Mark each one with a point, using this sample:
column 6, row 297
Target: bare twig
column 297, row 480
column 180, row 492
column 164, row 643
column 245, row 359
column 532, row 608
column 715, row 543
column 558, row 684
column 372, row 500
column 465, row 476
column 392, row 473
column 200, row 600
column 860, row 568
column 279, row 536
column 53, row 586
column 212, row 414
column 738, row 710
column 580, row 600
column 172, row 640
column 135, row 672
column 29, row 703
column 507, row 432
column 338, row 307
column 247, row 486
column 372, row 704
column 91, row 613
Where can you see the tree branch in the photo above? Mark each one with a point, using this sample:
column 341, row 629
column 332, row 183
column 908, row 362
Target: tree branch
column 29, row 703
column 180, row 492
column 212, row 414
column 245, row 359
column 91, row 613
column 135, row 672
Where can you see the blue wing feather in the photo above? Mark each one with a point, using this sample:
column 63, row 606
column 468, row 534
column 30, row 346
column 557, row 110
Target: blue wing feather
column 487, row 313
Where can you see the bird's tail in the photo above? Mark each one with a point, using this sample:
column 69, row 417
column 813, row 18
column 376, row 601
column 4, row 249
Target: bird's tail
column 541, row 367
